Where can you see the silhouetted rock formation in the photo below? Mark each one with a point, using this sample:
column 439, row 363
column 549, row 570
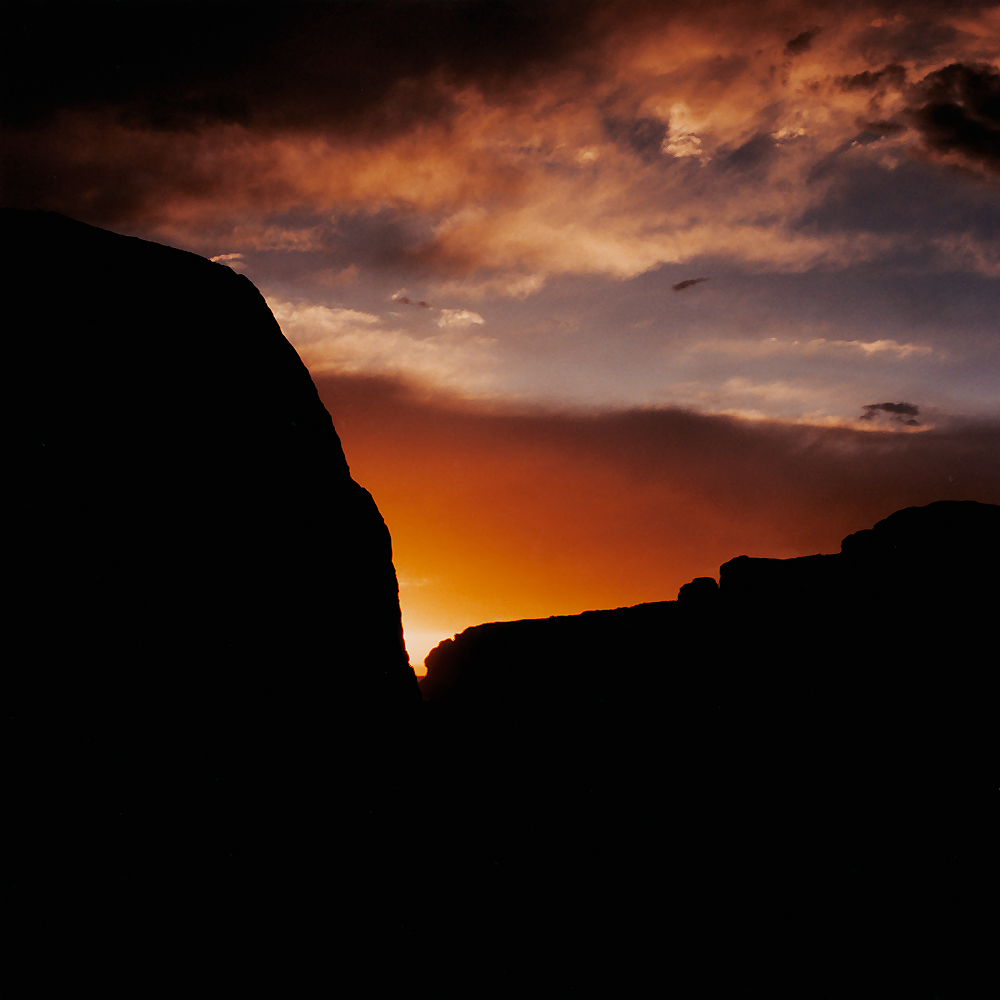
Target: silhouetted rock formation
column 945, row 553
column 945, row 545
column 786, row 763
column 701, row 590
column 211, row 668
column 193, row 523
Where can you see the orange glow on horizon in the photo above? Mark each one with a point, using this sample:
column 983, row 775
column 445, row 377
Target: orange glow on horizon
column 498, row 517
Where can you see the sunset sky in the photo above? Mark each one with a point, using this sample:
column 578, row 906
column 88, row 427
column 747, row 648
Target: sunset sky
column 599, row 295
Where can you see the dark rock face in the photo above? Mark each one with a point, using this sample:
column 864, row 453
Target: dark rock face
column 786, row 764
column 700, row 590
column 945, row 545
column 943, row 554
column 563, row 658
column 191, row 517
column 210, row 682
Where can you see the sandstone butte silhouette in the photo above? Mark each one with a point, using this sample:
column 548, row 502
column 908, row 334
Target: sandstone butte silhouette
column 776, row 780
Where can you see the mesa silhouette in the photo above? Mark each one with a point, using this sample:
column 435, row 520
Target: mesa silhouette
column 787, row 756
column 810, row 611
column 822, row 669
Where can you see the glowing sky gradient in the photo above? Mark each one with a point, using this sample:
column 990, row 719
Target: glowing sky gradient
column 481, row 225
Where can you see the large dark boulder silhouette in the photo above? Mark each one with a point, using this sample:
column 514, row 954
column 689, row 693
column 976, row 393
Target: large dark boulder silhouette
column 210, row 681
column 191, row 518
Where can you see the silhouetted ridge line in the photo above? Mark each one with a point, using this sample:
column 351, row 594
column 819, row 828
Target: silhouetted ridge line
column 785, row 767
column 190, row 502
column 947, row 548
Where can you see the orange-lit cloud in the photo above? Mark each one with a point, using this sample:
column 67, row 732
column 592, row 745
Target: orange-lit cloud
column 346, row 341
column 677, row 132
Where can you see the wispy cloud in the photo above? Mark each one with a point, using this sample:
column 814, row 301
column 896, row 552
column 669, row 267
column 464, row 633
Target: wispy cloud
column 231, row 260
column 459, row 318
column 347, row 341
column 901, row 413
column 747, row 348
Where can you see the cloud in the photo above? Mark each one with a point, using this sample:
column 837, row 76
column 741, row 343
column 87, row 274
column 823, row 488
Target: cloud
column 884, row 346
column 904, row 413
column 232, row 260
column 335, row 278
column 963, row 252
column 458, row 318
column 280, row 66
column 609, row 140
column 406, row 301
column 795, row 395
column 687, row 283
column 747, row 348
column 881, row 127
column 801, row 42
column 644, row 135
column 959, row 114
column 683, row 138
column 315, row 321
column 894, row 74
column 903, row 409
column 515, row 286
column 348, row 341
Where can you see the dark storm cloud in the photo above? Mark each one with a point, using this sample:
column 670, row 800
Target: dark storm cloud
column 754, row 154
column 908, row 200
column 892, row 74
column 880, row 127
column 115, row 111
column 349, row 64
column 959, row 113
column 801, row 43
column 590, row 118
column 899, row 411
column 644, row 136
column 687, row 283
column 353, row 63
